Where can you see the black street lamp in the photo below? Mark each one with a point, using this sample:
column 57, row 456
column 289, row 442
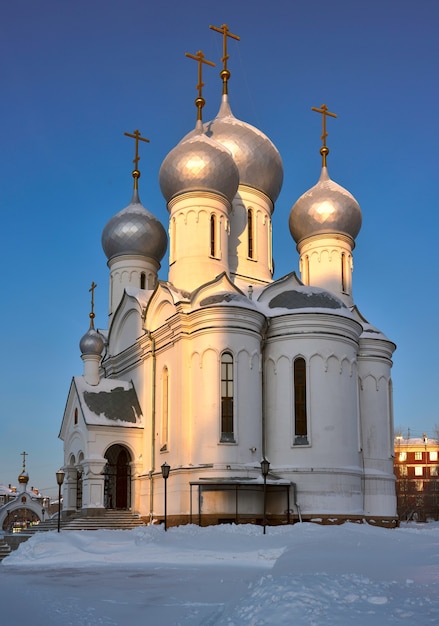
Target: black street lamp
column 165, row 473
column 265, row 468
column 59, row 480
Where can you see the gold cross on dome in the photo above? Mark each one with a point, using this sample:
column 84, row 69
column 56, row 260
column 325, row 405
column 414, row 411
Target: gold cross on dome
column 137, row 136
column 224, row 30
column 200, row 58
column 92, row 314
column 324, row 151
column 24, row 455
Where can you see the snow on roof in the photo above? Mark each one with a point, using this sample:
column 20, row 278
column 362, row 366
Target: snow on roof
column 110, row 403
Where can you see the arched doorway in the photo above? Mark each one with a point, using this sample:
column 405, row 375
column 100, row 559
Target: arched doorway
column 117, row 487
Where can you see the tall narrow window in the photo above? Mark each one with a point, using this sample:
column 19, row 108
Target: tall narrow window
column 165, row 410
column 227, row 397
column 300, row 413
column 343, row 272
column 250, row 233
column 305, row 270
column 142, row 280
column 212, row 235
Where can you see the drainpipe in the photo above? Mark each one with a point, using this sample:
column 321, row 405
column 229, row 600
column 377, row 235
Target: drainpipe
column 153, row 394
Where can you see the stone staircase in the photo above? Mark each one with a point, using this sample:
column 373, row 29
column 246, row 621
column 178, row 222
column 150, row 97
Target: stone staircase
column 111, row 519
column 5, row 550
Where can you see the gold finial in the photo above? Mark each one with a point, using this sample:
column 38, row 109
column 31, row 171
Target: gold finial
column 24, row 455
column 225, row 73
column 324, row 150
column 200, row 101
column 137, row 136
column 92, row 314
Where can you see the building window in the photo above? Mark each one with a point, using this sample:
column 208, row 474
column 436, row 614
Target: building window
column 250, row 233
column 300, row 413
column 75, row 419
column 433, row 470
column 343, row 270
column 418, row 470
column 227, row 434
column 403, row 470
column 433, row 456
column 165, row 410
column 212, row 235
column 418, row 456
column 142, row 280
column 403, row 456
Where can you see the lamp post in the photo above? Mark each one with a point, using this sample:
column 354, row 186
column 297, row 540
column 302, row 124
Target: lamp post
column 59, row 480
column 165, row 473
column 265, row 468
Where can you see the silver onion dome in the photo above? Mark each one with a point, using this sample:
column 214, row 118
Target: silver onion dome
column 134, row 230
column 198, row 163
column 326, row 208
column 257, row 158
column 91, row 343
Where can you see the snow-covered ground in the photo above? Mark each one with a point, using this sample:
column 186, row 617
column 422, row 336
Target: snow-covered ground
column 225, row 575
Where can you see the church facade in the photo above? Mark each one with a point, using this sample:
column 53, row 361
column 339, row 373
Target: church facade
column 220, row 366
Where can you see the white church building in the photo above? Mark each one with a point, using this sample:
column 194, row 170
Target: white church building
column 220, row 366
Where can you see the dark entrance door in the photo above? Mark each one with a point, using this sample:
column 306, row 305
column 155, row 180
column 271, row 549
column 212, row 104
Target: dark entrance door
column 117, row 478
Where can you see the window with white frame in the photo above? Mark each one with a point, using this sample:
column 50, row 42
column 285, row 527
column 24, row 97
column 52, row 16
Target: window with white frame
column 418, row 456
column 300, row 409
column 165, row 410
column 419, row 470
column 433, row 455
column 227, row 392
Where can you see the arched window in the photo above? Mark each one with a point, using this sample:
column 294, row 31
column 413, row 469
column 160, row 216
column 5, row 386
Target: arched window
column 165, row 410
column 300, row 411
column 250, row 233
column 75, row 419
column 343, row 272
column 212, row 235
column 142, row 280
column 227, row 390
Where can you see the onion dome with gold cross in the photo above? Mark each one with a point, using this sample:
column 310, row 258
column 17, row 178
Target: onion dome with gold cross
column 327, row 208
column 198, row 163
column 134, row 230
column 23, row 477
column 92, row 343
column 257, row 158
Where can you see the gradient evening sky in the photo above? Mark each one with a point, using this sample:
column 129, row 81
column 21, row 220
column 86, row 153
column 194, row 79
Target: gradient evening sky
column 75, row 75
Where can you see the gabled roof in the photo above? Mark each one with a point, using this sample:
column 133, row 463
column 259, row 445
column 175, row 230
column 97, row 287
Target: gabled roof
column 289, row 295
column 110, row 403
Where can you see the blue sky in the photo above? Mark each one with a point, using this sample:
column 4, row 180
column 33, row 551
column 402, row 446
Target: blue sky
column 76, row 75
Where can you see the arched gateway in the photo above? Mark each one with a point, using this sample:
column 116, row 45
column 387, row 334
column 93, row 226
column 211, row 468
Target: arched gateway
column 117, row 486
